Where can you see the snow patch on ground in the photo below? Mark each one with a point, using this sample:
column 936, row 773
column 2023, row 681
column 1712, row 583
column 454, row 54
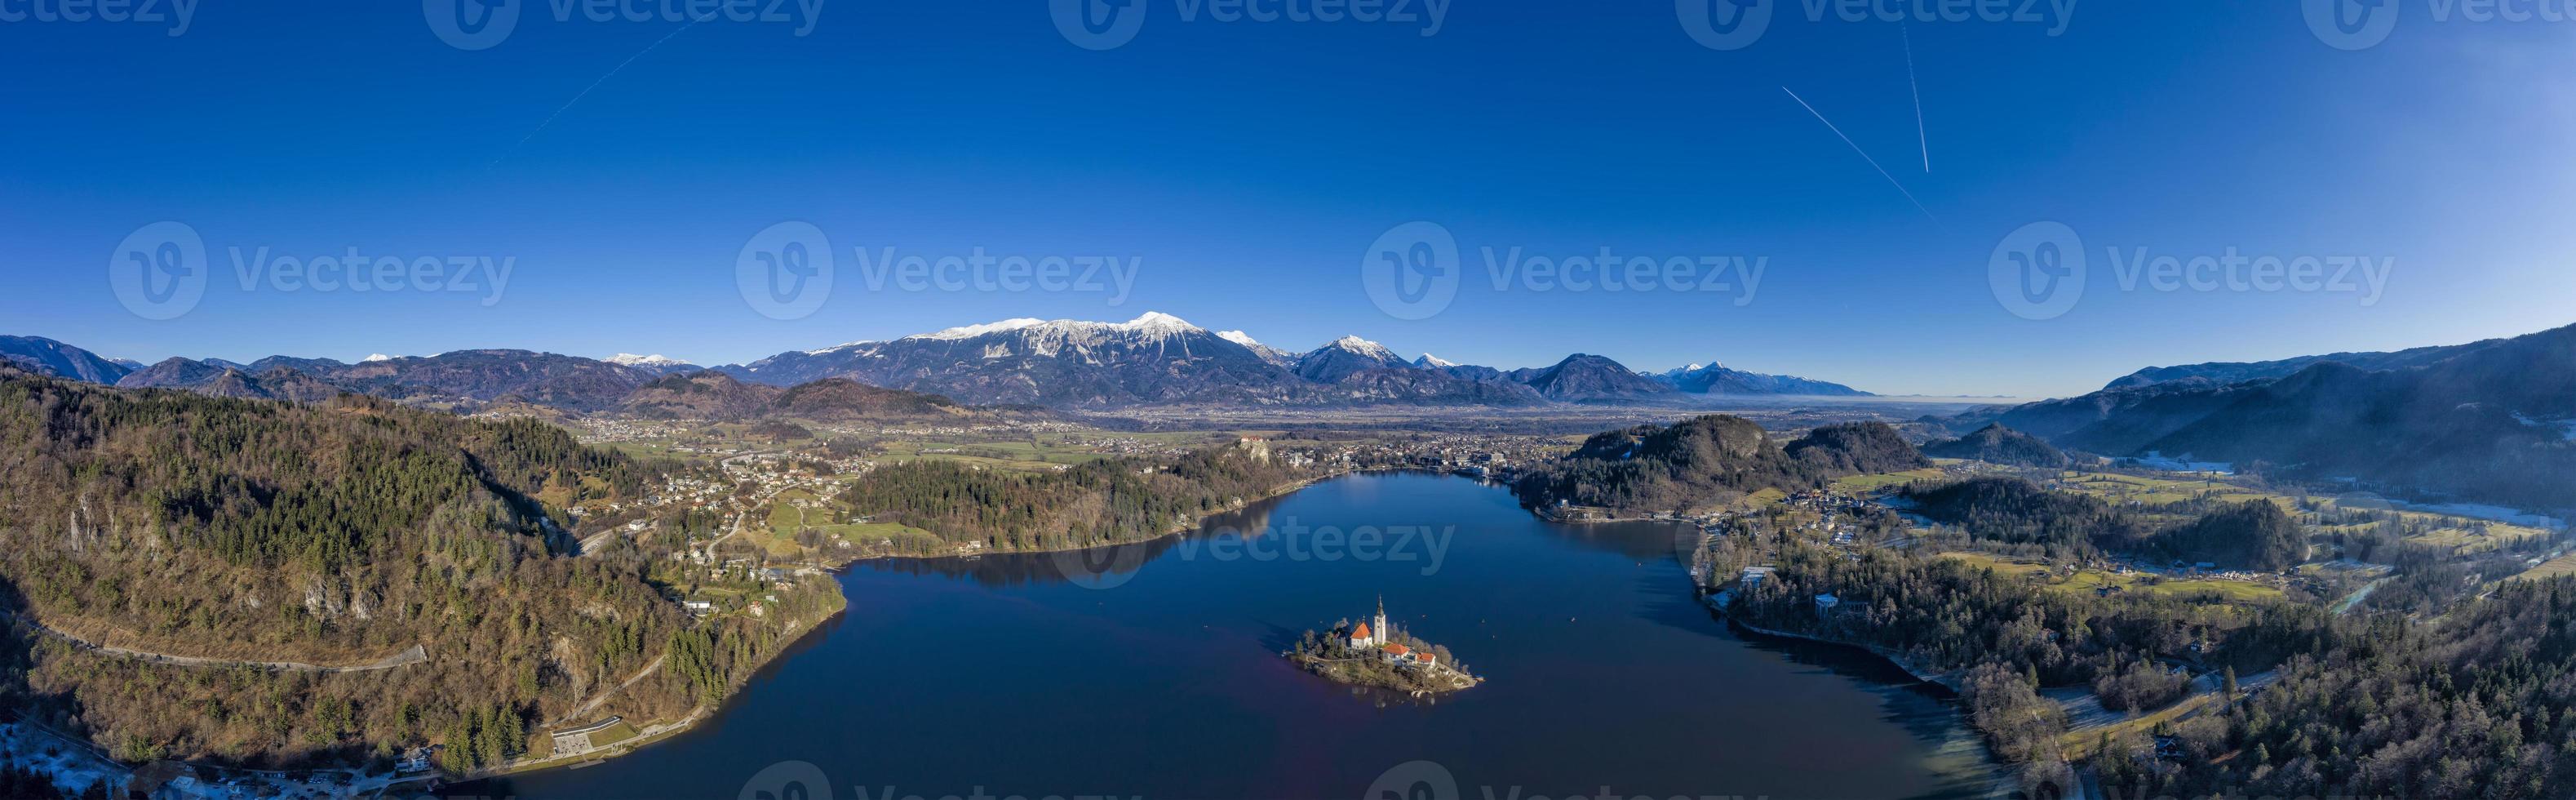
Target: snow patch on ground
column 2158, row 460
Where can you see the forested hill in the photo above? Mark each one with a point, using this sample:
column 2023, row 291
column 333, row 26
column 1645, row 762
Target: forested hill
column 340, row 533
column 2001, row 445
column 1709, row 460
column 1106, row 501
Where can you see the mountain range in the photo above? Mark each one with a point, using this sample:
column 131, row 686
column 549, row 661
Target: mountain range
column 1155, row 359
column 2492, row 421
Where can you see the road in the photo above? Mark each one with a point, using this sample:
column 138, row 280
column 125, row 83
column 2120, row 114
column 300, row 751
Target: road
column 595, row 702
column 416, row 655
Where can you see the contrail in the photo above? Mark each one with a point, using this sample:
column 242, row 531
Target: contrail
column 585, row 91
column 1864, row 156
column 1917, row 88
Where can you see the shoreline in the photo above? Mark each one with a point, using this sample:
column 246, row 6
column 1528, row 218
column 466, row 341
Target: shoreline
column 662, row 731
column 1945, row 680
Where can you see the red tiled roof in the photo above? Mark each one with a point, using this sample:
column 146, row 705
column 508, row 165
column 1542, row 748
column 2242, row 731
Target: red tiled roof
column 1398, row 649
column 1362, row 632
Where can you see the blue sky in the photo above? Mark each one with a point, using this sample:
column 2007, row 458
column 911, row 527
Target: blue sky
column 1245, row 169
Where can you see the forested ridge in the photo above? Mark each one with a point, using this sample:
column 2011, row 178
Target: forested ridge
column 340, row 532
column 2254, row 534
column 2481, row 704
column 1709, row 460
column 1105, row 501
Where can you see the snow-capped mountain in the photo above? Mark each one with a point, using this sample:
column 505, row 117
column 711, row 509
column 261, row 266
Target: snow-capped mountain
column 1345, row 356
column 1268, row 353
column 1154, row 358
column 657, row 363
column 1717, row 379
column 375, row 357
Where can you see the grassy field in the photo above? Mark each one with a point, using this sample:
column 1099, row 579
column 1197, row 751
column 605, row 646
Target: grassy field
column 2090, row 581
column 1871, row 483
column 2461, row 534
column 2117, row 489
column 2563, row 565
column 2080, row 743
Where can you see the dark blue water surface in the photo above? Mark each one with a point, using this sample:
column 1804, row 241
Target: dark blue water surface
column 1160, row 677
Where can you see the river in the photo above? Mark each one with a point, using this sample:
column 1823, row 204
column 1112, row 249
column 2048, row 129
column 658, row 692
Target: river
column 1151, row 671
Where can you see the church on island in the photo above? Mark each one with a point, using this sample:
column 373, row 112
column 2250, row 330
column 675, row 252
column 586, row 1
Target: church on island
column 1375, row 634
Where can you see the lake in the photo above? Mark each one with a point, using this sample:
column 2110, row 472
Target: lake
column 1152, row 670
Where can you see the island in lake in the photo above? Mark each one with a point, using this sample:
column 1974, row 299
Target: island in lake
column 1376, row 654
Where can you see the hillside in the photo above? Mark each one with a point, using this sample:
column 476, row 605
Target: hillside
column 2493, row 422
column 1708, row 460
column 44, row 356
column 2239, row 372
column 343, row 532
column 1584, row 378
column 1720, row 380
column 2000, row 445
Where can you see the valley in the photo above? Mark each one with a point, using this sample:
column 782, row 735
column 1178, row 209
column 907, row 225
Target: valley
column 698, row 527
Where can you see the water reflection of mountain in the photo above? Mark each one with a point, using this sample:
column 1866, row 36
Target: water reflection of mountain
column 1641, row 540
